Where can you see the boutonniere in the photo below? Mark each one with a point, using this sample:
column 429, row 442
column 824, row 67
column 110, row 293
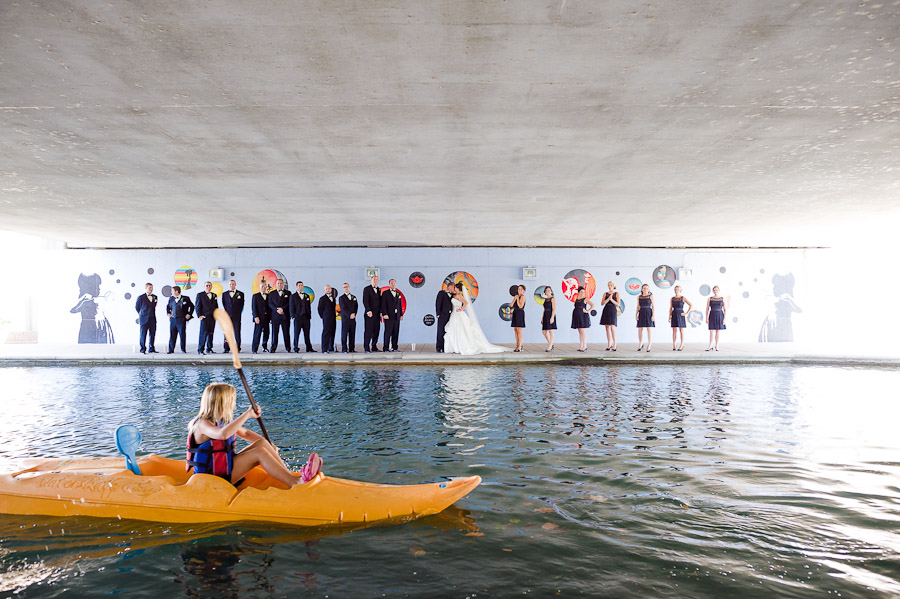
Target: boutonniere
column 152, row 298
column 352, row 298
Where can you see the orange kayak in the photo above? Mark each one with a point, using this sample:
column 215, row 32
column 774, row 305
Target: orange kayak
column 103, row 488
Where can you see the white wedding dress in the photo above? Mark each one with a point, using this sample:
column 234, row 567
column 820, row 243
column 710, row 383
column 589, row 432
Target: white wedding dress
column 463, row 334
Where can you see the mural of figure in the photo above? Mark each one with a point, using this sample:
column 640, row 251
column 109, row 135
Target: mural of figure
column 95, row 327
column 777, row 326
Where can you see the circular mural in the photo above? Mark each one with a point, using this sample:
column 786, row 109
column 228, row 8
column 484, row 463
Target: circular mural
column 416, row 280
column 217, row 289
column 506, row 312
column 695, row 318
column 461, row 276
column 633, row 286
column 705, row 290
column 621, row 309
column 513, row 290
column 167, row 290
column 428, row 320
column 664, row 276
column 270, row 275
column 578, row 278
column 308, row 291
column 186, row 277
column 539, row 294
column 386, row 289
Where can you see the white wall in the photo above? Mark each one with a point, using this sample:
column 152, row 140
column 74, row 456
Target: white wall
column 745, row 277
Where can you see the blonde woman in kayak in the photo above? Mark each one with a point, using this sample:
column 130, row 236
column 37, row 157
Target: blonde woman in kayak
column 211, row 438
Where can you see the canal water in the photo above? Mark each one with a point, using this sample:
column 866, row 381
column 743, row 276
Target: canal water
column 619, row 481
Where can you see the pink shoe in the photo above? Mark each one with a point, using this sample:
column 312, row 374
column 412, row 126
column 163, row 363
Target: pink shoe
column 312, row 467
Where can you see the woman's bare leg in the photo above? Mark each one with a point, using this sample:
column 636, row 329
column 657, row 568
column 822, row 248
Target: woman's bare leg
column 262, row 453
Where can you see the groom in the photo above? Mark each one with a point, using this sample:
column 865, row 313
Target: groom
column 442, row 309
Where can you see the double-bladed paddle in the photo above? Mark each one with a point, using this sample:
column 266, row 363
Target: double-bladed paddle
column 224, row 321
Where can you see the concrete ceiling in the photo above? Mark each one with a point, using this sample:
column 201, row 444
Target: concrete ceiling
column 712, row 123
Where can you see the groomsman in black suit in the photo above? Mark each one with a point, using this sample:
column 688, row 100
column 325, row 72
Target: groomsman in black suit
column 180, row 310
column 260, row 305
column 280, row 312
column 349, row 306
column 301, row 312
column 146, row 309
column 443, row 308
column 206, row 304
column 372, row 306
column 327, row 311
column 392, row 309
column 233, row 303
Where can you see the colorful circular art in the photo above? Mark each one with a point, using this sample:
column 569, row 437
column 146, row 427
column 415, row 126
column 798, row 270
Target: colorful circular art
column 513, row 290
column 269, row 275
column 539, row 294
column 428, row 320
column 695, row 318
column 308, row 291
column 621, row 309
column 461, row 276
column 506, row 312
column 575, row 279
column 633, row 286
column 416, row 280
column 167, row 290
column 664, row 276
column 705, row 290
column 186, row 277
column 386, row 289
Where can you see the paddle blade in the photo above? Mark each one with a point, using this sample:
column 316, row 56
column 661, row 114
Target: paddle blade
column 128, row 440
column 227, row 327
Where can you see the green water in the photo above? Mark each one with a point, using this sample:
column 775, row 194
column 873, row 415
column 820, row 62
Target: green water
column 660, row 481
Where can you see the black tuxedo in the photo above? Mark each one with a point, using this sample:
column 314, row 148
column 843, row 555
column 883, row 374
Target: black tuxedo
column 280, row 299
column 146, row 309
column 260, row 308
column 179, row 313
column 329, row 320
column 443, row 308
column 349, row 305
column 235, row 307
column 205, row 306
column 392, row 310
column 301, row 312
column 371, row 303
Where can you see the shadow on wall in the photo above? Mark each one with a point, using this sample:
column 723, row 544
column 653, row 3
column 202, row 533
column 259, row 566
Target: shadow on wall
column 777, row 326
column 95, row 327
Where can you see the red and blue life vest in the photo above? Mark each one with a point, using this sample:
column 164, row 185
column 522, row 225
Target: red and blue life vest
column 213, row 456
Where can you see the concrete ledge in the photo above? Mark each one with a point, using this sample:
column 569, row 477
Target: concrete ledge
column 125, row 355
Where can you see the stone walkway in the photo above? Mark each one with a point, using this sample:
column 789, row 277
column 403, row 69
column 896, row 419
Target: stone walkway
column 772, row 353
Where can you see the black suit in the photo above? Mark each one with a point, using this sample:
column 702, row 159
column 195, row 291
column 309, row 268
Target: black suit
column 205, row 306
column 260, row 308
column 392, row 309
column 329, row 320
column 235, row 307
column 301, row 312
column 280, row 299
column 146, row 309
column 443, row 308
column 371, row 303
column 179, row 313
column 349, row 305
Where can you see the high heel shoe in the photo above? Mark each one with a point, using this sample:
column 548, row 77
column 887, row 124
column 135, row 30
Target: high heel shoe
column 681, row 348
column 648, row 349
column 709, row 349
column 608, row 348
column 640, row 348
column 614, row 349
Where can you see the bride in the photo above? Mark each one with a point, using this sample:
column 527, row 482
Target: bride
column 463, row 334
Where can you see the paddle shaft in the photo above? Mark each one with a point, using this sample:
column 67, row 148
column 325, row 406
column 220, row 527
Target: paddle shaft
column 224, row 321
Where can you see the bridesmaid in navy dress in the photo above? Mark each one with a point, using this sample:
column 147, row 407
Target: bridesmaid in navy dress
column 645, row 315
column 715, row 316
column 677, row 314
column 581, row 318
column 548, row 320
column 518, row 316
column 610, row 315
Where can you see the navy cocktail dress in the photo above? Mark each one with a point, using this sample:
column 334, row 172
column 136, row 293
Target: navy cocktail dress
column 518, row 315
column 610, row 315
column 580, row 318
column 645, row 313
column 546, row 325
column 678, row 313
column 716, row 314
